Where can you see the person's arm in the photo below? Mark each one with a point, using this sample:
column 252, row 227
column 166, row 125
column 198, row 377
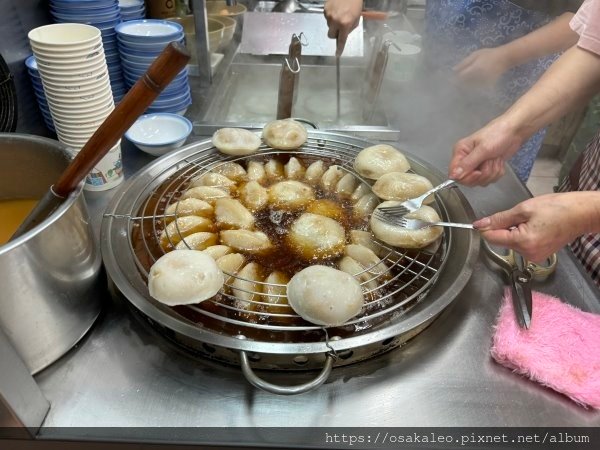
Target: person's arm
column 342, row 17
column 488, row 64
column 542, row 225
column 570, row 82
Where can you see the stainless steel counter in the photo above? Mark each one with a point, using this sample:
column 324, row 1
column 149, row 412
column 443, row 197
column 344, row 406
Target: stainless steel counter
column 124, row 375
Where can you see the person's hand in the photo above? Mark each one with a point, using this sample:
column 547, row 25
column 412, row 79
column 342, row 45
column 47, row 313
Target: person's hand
column 479, row 158
column 342, row 17
column 483, row 67
column 542, row 225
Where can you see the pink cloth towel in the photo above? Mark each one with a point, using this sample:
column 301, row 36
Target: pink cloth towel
column 561, row 349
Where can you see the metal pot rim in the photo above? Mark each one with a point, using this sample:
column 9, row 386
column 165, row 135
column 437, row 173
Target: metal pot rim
column 56, row 215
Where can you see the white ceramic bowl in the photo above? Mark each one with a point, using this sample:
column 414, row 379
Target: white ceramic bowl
column 159, row 133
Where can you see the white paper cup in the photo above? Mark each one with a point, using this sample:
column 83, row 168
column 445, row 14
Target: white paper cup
column 90, row 92
column 108, row 173
column 64, row 36
column 78, row 105
column 74, row 139
column 74, row 80
column 55, row 66
column 89, row 120
column 51, row 59
column 70, row 56
column 73, row 144
column 71, row 128
column 403, row 61
column 77, row 85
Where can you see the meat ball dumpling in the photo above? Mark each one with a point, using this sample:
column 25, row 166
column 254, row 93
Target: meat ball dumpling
column 246, row 241
column 256, row 171
column 353, row 267
column 197, row 241
column 184, row 277
column 365, row 239
column 290, row 194
column 275, row 292
column 231, row 170
column 247, row 287
column 274, row 170
column 402, row 186
column 314, row 172
column 377, row 160
column 346, row 185
column 293, row 169
column 286, row 134
column 253, row 195
column 214, row 179
column 324, row 295
column 361, row 190
column 366, row 258
column 314, row 236
column 365, row 205
column 189, row 207
column 230, row 264
column 207, row 193
column 236, row 141
column 230, row 213
column 182, row 227
column 331, row 177
column 216, row 251
column 401, row 237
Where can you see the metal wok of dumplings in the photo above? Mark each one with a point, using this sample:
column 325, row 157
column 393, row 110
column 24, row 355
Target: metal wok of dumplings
column 250, row 318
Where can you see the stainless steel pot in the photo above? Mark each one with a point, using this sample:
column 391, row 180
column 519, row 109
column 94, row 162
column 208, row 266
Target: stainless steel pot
column 50, row 278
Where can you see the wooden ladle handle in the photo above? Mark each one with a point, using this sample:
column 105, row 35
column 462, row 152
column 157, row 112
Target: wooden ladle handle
column 160, row 73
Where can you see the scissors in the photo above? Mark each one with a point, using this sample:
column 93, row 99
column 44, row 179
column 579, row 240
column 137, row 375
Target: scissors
column 520, row 272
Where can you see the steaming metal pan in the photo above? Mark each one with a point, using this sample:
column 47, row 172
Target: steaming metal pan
column 435, row 280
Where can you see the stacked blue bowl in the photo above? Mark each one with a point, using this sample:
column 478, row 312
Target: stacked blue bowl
column 38, row 89
column 132, row 9
column 105, row 15
column 140, row 42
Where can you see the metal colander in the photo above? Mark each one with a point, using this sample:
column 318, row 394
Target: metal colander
column 403, row 293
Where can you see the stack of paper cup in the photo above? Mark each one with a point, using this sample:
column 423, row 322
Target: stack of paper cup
column 71, row 62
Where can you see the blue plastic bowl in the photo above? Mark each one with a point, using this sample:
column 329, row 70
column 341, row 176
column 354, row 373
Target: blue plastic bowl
column 149, row 30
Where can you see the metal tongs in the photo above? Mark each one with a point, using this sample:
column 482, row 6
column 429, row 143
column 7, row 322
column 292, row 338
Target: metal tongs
column 288, row 78
column 520, row 273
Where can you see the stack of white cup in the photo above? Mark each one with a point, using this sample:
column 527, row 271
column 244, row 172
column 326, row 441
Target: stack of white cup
column 72, row 65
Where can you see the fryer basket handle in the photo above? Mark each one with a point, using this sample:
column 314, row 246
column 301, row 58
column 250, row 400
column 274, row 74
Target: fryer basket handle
column 258, row 382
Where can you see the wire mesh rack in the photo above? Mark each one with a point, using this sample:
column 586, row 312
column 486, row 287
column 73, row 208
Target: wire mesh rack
column 392, row 284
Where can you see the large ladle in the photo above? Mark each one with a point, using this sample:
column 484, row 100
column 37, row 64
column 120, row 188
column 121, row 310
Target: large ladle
column 160, row 73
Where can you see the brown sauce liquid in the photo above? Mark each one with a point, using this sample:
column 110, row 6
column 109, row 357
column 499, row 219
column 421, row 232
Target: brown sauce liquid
column 12, row 214
column 274, row 223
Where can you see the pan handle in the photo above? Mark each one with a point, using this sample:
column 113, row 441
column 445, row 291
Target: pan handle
column 258, row 382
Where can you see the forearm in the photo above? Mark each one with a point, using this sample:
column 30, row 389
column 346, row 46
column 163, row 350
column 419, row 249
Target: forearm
column 553, row 37
column 569, row 83
column 592, row 200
